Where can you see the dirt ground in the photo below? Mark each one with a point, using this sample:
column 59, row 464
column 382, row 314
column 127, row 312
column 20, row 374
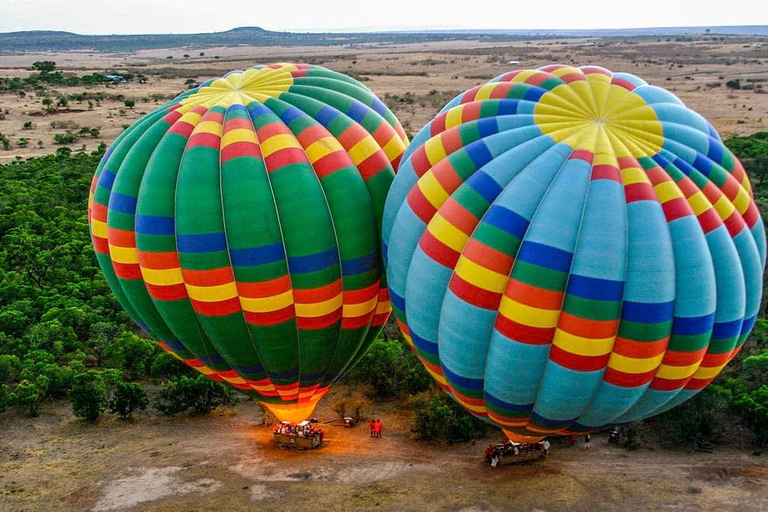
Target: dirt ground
column 226, row 460
column 416, row 80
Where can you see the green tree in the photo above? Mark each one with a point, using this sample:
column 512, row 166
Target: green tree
column 49, row 105
column 44, row 66
column 128, row 398
column 130, row 103
column 200, row 395
column 88, row 396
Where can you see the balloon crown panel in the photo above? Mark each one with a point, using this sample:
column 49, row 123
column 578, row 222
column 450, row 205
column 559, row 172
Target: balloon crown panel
column 571, row 248
column 239, row 225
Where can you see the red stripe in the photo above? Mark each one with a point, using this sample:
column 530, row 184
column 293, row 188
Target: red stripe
column 212, row 277
column 471, row 112
column 438, row 124
column 100, row 245
column 351, row 136
column 659, row 384
column 319, row 322
column 533, row 296
column 587, row 328
column 676, row 208
column 734, row 223
column 709, row 220
column 202, row 139
column 523, row 333
column 474, row 294
column 606, row 172
column 332, row 162
column 356, row 322
column 270, row 318
column 373, row 165
column 420, row 162
column 639, row 192
column 623, row 83
column 677, row 358
column 751, row 215
column 488, row 257
column 578, row 362
column 264, row 288
column 283, row 157
column 640, row 349
column 312, row 134
column 446, row 175
column 420, row 206
column 121, row 237
column 438, row 251
column 271, row 129
column 221, row 308
column 319, row 294
column 361, row 295
column 166, row 293
column 586, row 155
column 239, row 149
column 127, row 270
column 458, row 216
column 159, row 260
column 237, row 123
column 628, row 380
column 182, row 128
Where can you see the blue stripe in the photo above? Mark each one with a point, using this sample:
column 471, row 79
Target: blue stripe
column 154, row 225
column 508, row 107
column 257, row 255
column 290, row 114
column 534, row 93
column 106, row 179
column 313, row 262
column 245, row 370
column 236, row 107
column 703, row 164
column 284, row 375
column 312, row 376
column 212, row 360
column 256, row 109
column 326, row 114
column 423, row 345
column 487, row 126
column 505, row 405
column 647, row 313
column 595, row 288
column 540, row 420
column 506, row 220
column 359, row 265
column 545, row 256
column 715, row 152
column 378, row 106
column 479, row 154
column 725, row 330
column 484, row 185
column 397, row 301
column 661, row 160
column 683, row 166
column 202, row 243
column 749, row 323
column 464, row 382
column 357, row 111
column 692, row 326
column 122, row 203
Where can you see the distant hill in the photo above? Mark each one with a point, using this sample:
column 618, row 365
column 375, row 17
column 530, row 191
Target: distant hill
column 39, row 40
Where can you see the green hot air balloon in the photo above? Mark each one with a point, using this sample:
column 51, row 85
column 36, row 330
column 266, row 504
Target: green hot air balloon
column 239, row 226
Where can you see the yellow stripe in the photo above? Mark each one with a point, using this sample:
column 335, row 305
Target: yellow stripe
column 267, row 304
column 524, row 75
column 384, row 307
column 238, row 135
column 162, row 277
column 453, row 118
column 505, row 422
column 212, row 293
column 566, row 71
column 742, row 200
column 204, row 370
column 432, row 189
column 667, row 191
column 360, row 308
column 315, row 309
column 190, row 117
column 447, row 233
column 526, row 315
column 478, row 409
column 670, row 372
column 708, row 372
column 208, row 127
column 322, row 147
column 123, row 254
column 724, row 207
column 746, row 185
column 582, row 346
column 363, row 149
column 480, row 276
column 234, row 380
column 485, row 91
column 434, row 150
column 699, row 202
column 98, row 228
column 632, row 175
column 278, row 142
column 263, row 388
column 394, row 148
column 626, row 364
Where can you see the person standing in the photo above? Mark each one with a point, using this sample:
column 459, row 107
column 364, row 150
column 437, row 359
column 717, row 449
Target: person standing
column 373, row 428
column 377, row 428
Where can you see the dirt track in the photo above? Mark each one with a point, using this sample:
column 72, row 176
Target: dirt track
column 227, row 461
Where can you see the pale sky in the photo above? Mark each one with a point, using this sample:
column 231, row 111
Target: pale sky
column 190, row 16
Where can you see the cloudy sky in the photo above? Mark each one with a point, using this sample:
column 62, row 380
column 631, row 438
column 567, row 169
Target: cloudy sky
column 190, row 16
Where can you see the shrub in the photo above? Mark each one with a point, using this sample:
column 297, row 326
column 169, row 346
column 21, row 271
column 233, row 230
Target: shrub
column 128, row 398
column 390, row 368
column 88, row 396
column 184, row 394
column 164, row 365
column 438, row 418
column 130, row 354
column 28, row 395
column 702, row 418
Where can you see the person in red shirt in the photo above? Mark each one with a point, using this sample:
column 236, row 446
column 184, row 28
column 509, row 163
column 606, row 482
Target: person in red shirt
column 378, row 428
column 373, row 428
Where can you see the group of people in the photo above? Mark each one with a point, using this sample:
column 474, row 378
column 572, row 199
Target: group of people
column 304, row 430
column 375, row 428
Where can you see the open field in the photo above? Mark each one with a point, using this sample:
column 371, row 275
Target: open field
column 226, row 461
column 415, row 79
